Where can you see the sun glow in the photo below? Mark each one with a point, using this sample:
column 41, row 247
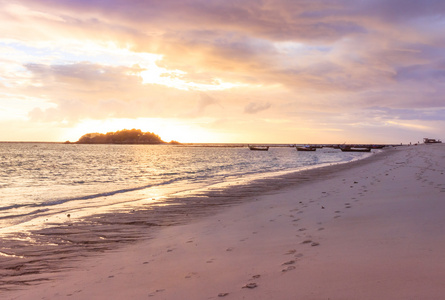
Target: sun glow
column 409, row 125
column 167, row 129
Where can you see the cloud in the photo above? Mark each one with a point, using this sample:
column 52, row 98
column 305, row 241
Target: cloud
column 253, row 107
column 391, row 10
column 385, row 113
column 86, row 90
column 333, row 60
column 239, row 41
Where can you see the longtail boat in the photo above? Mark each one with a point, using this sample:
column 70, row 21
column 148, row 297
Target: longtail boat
column 259, row 148
column 353, row 149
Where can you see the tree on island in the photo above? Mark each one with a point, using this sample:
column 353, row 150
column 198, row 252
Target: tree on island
column 133, row 136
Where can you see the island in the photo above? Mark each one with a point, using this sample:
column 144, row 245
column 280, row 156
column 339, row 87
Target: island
column 125, row 136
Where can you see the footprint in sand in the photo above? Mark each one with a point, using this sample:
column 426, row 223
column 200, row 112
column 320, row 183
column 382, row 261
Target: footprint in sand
column 190, row 275
column 75, row 292
column 251, row 285
column 289, row 268
column 313, row 244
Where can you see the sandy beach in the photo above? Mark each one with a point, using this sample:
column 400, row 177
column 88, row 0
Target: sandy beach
column 371, row 229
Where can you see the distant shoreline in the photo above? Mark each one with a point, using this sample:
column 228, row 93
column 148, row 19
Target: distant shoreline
column 28, row 142
column 275, row 145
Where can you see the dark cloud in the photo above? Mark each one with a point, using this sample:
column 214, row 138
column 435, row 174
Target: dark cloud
column 84, row 74
column 427, row 72
column 402, row 10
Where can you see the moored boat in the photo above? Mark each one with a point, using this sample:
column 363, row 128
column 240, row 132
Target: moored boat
column 306, row 148
column 354, row 149
column 259, row 148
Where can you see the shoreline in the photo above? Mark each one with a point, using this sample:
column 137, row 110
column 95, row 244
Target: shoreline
column 26, row 257
column 309, row 236
column 31, row 259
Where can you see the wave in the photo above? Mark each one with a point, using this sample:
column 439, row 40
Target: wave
column 85, row 197
column 32, row 213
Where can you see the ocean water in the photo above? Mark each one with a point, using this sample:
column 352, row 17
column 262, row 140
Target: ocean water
column 42, row 181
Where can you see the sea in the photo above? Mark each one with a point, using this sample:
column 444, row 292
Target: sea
column 43, row 181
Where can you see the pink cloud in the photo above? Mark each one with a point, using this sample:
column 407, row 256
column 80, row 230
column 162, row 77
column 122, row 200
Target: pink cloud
column 317, row 56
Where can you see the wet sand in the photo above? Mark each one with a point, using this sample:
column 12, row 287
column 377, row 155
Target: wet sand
column 371, row 229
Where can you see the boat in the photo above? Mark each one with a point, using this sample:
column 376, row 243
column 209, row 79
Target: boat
column 355, row 149
column 259, row 148
column 431, row 141
column 306, row 148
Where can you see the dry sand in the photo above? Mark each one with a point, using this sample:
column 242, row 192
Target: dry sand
column 369, row 230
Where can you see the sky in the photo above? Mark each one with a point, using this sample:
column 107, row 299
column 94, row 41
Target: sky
column 224, row 71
